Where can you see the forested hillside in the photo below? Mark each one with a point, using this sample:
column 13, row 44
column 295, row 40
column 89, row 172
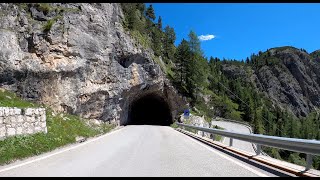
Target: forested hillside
column 276, row 91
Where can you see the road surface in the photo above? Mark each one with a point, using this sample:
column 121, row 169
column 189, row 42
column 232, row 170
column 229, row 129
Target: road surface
column 135, row 151
column 236, row 127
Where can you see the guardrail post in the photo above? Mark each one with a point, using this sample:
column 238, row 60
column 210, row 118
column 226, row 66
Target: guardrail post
column 231, row 142
column 213, row 137
column 258, row 149
column 309, row 161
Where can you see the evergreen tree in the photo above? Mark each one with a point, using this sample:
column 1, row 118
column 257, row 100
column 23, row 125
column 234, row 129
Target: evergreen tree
column 156, row 41
column 150, row 13
column 182, row 56
column 247, row 60
column 194, row 44
column 141, row 7
column 170, row 35
column 169, row 39
column 159, row 23
column 197, row 67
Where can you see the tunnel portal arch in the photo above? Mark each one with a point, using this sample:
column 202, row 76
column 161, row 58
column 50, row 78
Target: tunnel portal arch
column 150, row 109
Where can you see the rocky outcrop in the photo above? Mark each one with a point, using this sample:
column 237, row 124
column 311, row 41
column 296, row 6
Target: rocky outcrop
column 293, row 83
column 77, row 58
column 197, row 121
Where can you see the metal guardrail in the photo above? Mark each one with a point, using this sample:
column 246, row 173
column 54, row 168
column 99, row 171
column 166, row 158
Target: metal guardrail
column 310, row 147
column 244, row 124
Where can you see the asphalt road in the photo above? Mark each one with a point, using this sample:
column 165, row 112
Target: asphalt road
column 235, row 127
column 135, row 151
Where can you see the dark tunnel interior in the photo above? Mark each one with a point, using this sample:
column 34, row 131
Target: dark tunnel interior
column 149, row 110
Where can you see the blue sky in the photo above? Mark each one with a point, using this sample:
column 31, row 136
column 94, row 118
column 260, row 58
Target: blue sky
column 240, row 29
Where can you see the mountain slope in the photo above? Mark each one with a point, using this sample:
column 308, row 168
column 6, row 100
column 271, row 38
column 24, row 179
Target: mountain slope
column 288, row 76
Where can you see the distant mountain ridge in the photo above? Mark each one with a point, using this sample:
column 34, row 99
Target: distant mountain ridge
column 290, row 77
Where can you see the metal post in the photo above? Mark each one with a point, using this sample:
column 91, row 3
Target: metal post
column 309, row 161
column 213, row 137
column 231, row 142
column 258, row 149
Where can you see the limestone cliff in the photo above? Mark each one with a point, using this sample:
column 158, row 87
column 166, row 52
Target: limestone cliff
column 77, row 58
column 290, row 79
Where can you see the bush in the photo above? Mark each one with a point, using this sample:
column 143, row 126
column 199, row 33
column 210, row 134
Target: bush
column 44, row 7
column 48, row 25
column 174, row 126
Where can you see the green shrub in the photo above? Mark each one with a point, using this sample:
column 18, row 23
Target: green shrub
column 174, row 125
column 44, row 7
column 48, row 25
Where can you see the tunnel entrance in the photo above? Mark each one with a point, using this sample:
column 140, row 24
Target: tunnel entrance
column 150, row 109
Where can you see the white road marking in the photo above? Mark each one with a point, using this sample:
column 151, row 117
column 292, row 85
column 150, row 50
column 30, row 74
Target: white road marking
column 228, row 158
column 59, row 152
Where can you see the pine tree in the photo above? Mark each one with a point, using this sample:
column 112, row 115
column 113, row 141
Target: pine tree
column 150, row 13
column 141, row 7
column 268, row 53
column 197, row 67
column 247, row 60
column 169, row 39
column 159, row 23
column 194, row 44
column 182, row 56
column 156, row 41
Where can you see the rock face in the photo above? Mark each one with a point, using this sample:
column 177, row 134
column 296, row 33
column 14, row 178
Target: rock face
column 77, row 58
column 293, row 83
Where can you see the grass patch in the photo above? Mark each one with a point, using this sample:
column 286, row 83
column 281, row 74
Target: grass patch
column 71, row 10
column 174, row 125
column 22, row 6
column 62, row 130
column 9, row 99
column 162, row 66
column 48, row 25
column 44, row 7
column 217, row 137
column 142, row 39
column 170, row 74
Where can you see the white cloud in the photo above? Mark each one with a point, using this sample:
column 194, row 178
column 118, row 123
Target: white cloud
column 206, row 37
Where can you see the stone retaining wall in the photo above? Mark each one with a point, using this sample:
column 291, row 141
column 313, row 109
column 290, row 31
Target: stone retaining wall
column 16, row 121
